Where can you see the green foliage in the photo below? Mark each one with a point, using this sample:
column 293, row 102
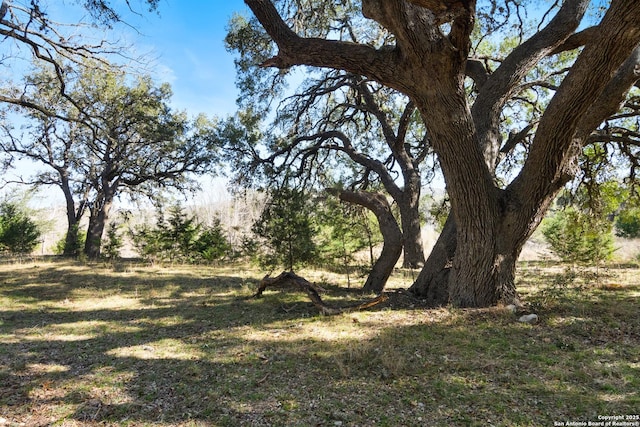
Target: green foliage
column 147, row 241
column 578, row 237
column 114, row 243
column 254, row 47
column 19, row 234
column 212, row 244
column 250, row 248
column 286, row 226
column 628, row 223
column 439, row 212
column 134, row 138
column 180, row 238
column 344, row 229
column 604, row 194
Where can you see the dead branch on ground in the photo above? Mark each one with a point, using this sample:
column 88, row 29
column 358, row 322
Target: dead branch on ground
column 290, row 279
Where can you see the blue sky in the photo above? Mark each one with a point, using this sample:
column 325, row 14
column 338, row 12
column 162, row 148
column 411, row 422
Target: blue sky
column 185, row 43
column 186, row 40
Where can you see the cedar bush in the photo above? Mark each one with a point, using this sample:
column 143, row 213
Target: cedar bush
column 19, row 234
column 579, row 238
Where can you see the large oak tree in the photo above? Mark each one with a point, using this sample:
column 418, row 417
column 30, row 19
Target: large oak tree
column 473, row 264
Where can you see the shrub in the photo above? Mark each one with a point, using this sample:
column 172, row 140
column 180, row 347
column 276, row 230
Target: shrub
column 75, row 246
column 344, row 229
column 114, row 243
column 19, row 234
column 577, row 237
column 628, row 223
column 180, row 238
column 211, row 244
column 287, row 230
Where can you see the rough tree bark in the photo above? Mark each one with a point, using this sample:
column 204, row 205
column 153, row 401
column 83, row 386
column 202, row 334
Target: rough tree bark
column 99, row 214
column 413, row 248
column 494, row 92
column 491, row 223
column 73, row 217
column 392, row 236
column 432, row 284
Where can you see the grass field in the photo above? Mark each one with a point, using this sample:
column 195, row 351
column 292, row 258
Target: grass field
column 84, row 344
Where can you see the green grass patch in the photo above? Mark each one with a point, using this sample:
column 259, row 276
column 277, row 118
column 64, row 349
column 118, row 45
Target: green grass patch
column 89, row 344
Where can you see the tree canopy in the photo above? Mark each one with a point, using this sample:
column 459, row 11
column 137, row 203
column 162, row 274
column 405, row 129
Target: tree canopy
column 30, row 34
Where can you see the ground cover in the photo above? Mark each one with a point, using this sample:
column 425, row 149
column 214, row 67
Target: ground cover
column 85, row 344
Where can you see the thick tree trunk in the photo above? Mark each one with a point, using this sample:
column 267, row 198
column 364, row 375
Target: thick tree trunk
column 481, row 271
column 71, row 239
column 392, row 246
column 97, row 223
column 411, row 228
column 491, row 224
column 474, row 198
column 432, row 284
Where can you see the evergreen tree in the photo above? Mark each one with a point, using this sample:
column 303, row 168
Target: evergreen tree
column 287, row 228
column 19, row 234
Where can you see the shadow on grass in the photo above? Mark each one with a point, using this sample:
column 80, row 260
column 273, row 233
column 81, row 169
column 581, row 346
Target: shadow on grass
column 184, row 348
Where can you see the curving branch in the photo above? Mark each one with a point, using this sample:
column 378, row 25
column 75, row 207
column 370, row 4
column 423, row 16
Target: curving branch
column 441, row 6
column 345, row 146
column 476, row 69
column 392, row 235
column 613, row 96
column 576, row 40
column 288, row 279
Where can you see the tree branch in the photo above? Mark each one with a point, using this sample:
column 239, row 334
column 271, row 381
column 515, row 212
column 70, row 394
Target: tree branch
column 392, row 235
column 477, row 71
column 295, row 50
column 361, row 159
column 440, row 6
column 576, row 40
column 289, row 279
column 564, row 125
column 504, row 80
column 502, row 83
column 613, row 95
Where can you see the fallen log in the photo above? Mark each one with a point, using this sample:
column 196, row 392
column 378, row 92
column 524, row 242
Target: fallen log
column 290, row 279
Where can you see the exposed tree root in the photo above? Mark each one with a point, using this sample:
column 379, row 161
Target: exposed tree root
column 290, row 279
